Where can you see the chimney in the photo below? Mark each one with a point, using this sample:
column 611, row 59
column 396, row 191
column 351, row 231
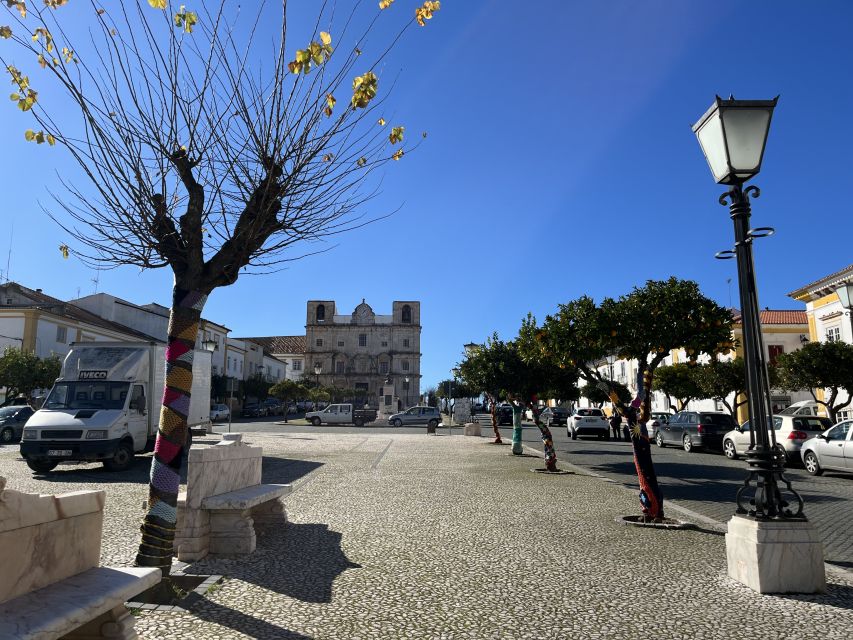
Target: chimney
column 38, row 290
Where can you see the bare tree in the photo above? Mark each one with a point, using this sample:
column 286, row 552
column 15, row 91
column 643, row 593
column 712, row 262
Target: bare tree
column 206, row 150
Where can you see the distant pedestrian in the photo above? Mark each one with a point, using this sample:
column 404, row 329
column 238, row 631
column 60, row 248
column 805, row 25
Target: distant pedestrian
column 615, row 421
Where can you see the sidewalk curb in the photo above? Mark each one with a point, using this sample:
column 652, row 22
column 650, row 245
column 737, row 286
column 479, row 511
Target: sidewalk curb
column 671, row 504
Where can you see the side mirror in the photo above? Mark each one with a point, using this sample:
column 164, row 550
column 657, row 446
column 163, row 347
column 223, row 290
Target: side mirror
column 739, row 429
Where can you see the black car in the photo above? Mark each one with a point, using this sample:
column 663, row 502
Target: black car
column 12, row 421
column 253, row 410
column 695, row 430
column 554, row 416
column 273, row 406
column 504, row 414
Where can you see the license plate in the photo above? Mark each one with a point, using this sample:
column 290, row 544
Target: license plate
column 59, row 452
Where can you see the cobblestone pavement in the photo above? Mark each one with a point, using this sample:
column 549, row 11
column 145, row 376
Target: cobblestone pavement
column 412, row 536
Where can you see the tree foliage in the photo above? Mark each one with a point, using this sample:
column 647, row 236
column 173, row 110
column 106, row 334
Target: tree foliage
column 288, row 391
column 257, row 386
column 22, row 372
column 679, row 381
column 820, row 365
column 719, row 380
column 598, row 396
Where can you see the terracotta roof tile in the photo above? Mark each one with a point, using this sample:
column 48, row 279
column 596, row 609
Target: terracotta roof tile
column 280, row 344
column 778, row 316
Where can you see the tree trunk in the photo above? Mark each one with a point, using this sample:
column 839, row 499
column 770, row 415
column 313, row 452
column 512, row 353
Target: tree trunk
column 158, row 527
column 493, row 410
column 517, row 448
column 547, row 441
column 651, row 497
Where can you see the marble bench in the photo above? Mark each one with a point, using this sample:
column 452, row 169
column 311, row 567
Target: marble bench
column 50, row 583
column 86, row 605
column 225, row 502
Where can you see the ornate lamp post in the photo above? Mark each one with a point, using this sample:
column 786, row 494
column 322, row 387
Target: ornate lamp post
column 733, row 134
column 455, row 372
column 845, row 294
column 406, row 380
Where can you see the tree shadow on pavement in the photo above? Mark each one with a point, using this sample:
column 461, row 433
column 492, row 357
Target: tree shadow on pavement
column 300, row 561
column 286, row 470
column 253, row 627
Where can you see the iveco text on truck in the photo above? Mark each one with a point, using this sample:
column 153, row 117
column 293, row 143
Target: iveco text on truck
column 105, row 405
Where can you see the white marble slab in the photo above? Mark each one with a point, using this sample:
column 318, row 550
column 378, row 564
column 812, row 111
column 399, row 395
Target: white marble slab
column 775, row 556
column 473, row 429
column 247, row 497
column 64, row 606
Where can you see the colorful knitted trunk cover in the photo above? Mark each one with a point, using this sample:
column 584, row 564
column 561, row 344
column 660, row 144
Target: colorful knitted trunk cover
column 548, row 443
column 651, row 497
column 158, row 527
column 517, row 447
column 493, row 410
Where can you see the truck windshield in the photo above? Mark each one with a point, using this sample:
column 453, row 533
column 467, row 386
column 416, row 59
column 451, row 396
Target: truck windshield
column 87, row 395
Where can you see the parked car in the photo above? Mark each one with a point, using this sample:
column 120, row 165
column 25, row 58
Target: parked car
column 12, row 421
column 831, row 450
column 695, row 430
column 504, row 414
column 554, row 416
column 427, row 416
column 253, row 410
column 802, row 408
column 588, row 422
column 273, row 406
column 341, row 414
column 219, row 412
column 791, row 432
column 656, row 419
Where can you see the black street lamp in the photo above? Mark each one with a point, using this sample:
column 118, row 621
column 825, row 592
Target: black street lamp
column 845, row 295
column 733, row 134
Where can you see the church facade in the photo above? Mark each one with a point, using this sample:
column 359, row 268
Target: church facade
column 365, row 351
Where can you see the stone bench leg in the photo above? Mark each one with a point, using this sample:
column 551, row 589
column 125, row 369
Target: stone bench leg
column 116, row 624
column 232, row 532
column 271, row 512
column 192, row 537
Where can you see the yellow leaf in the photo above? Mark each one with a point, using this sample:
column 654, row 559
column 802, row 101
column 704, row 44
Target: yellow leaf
column 381, row 122
column 396, row 135
column 101, row 12
column 424, row 12
column 397, row 154
column 29, row 134
column 328, row 157
column 363, row 90
column 384, row 4
column 55, row 4
column 5, row 32
column 325, row 38
column 42, row 62
column 20, row 5
column 63, row 248
column 361, row 161
column 158, row 4
column 51, row 140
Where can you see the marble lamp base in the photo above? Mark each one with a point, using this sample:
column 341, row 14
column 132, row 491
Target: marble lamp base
column 772, row 556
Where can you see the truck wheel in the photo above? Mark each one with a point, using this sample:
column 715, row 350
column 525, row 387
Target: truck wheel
column 358, row 422
column 41, row 466
column 315, row 421
column 122, row 458
column 7, row 435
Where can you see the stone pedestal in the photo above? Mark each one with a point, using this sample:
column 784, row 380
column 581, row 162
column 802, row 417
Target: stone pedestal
column 473, row 429
column 775, row 556
column 232, row 533
column 116, row 624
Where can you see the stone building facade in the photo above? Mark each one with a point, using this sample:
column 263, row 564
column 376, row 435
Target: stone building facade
column 362, row 350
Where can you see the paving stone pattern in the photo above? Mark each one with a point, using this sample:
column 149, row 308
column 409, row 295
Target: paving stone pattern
column 413, row 536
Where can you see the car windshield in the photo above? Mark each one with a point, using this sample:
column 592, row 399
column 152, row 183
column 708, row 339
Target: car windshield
column 589, row 412
column 87, row 395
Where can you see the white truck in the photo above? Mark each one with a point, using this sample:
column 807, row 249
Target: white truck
column 341, row 414
column 105, row 405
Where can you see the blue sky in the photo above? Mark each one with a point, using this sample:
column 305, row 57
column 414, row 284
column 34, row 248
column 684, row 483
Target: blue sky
column 559, row 162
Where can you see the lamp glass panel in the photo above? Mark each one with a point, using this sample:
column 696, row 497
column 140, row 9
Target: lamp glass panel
column 746, row 131
column 845, row 292
column 714, row 146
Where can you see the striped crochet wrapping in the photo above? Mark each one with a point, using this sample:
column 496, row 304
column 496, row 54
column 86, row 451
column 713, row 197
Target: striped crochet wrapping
column 158, row 527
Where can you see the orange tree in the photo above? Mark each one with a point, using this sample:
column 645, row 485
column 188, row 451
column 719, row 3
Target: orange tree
column 212, row 140
column 820, row 365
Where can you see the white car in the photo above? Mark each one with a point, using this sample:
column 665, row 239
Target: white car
column 588, row 422
column 219, row 412
column 831, row 450
column 791, row 432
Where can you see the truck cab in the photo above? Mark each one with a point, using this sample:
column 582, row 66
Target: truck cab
column 333, row 414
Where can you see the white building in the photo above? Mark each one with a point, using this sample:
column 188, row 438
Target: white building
column 289, row 351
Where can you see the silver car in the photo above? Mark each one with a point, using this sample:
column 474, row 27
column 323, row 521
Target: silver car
column 428, row 416
column 831, row 450
column 791, row 432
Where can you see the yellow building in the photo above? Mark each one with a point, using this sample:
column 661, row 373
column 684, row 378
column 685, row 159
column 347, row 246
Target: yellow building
column 828, row 320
